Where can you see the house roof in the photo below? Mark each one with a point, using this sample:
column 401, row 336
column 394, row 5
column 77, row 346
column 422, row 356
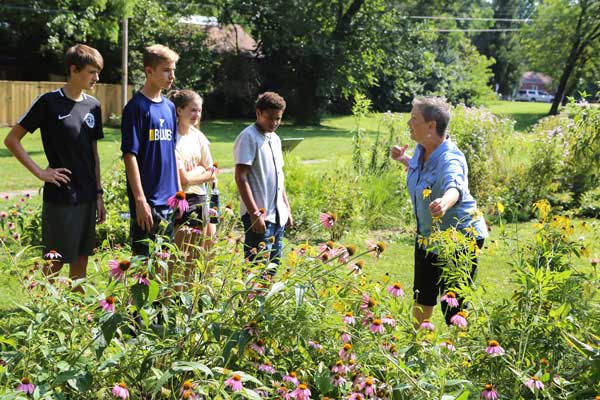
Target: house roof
column 536, row 78
column 223, row 38
column 226, row 38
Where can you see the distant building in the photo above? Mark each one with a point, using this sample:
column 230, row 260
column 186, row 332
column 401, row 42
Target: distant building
column 230, row 38
column 536, row 81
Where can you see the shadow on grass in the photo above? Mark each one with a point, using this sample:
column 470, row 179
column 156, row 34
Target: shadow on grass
column 5, row 153
column 226, row 131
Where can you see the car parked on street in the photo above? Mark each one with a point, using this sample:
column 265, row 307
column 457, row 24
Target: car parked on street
column 534, row 95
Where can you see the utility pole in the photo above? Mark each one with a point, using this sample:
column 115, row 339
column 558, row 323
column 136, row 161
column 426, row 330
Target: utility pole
column 124, row 61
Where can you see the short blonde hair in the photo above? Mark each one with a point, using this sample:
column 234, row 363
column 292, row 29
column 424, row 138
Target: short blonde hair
column 434, row 109
column 157, row 53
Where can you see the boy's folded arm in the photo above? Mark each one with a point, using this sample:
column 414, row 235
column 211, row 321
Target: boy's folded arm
column 51, row 175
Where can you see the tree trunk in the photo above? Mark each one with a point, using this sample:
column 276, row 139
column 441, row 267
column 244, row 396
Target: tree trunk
column 562, row 85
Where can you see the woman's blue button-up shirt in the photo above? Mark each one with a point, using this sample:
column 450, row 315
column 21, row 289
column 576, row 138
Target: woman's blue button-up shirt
column 446, row 168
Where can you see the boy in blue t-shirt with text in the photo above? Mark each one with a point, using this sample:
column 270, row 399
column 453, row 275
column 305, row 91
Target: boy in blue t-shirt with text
column 149, row 132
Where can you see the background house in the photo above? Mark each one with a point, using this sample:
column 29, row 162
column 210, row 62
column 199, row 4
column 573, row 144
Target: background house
column 536, row 81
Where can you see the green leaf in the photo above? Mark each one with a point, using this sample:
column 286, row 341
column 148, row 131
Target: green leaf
column 250, row 394
column 276, row 288
column 152, row 291
column 182, row 366
column 110, row 327
column 82, row 382
column 322, row 380
column 299, row 290
column 464, row 395
column 139, row 293
column 10, row 342
column 164, row 378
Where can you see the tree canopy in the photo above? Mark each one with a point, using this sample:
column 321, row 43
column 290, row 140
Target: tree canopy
column 319, row 53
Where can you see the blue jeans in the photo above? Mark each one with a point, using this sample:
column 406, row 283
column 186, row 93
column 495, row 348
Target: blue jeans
column 272, row 239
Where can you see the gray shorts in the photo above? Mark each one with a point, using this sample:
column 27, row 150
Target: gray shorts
column 69, row 229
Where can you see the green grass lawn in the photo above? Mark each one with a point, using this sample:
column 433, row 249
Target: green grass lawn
column 525, row 114
column 327, row 143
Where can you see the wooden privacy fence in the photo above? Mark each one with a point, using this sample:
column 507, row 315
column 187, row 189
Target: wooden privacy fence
column 16, row 98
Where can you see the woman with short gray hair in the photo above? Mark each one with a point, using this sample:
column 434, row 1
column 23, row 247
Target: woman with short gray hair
column 437, row 180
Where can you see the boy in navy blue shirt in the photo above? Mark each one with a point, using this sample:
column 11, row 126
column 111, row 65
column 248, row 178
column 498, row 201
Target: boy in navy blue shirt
column 70, row 123
column 149, row 132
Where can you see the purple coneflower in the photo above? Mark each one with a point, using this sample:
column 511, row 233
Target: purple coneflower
column 534, row 383
column 108, row 304
column 283, row 392
column 338, row 380
column 259, row 346
column 376, row 247
column 328, row 219
column 448, row 345
column 450, row 299
column 163, row 255
column 118, row 268
column 340, row 367
column 388, row 320
column 460, row 319
column 349, row 318
column 302, row 392
column 252, row 328
column 345, row 337
column 178, row 202
column 213, row 212
column 356, row 396
column 120, row 391
column 291, row 377
column 396, row 290
column 376, row 326
column 3, row 215
column 427, row 325
column 488, row 393
column 345, row 351
column 26, row 386
column 52, row 255
column 368, row 386
column 142, row 278
column 235, row 382
column 356, row 268
column 266, row 367
column 367, row 302
column 494, row 348
column 315, row 345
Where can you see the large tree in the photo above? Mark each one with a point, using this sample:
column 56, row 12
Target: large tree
column 504, row 46
column 562, row 40
column 313, row 50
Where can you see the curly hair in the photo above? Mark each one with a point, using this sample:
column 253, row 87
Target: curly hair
column 270, row 100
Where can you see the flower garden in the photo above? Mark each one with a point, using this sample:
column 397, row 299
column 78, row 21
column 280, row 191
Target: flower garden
column 325, row 326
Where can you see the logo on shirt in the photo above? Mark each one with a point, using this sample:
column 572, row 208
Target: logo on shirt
column 61, row 117
column 160, row 133
column 89, row 120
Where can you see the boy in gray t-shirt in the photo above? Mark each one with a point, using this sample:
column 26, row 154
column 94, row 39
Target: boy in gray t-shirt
column 264, row 206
